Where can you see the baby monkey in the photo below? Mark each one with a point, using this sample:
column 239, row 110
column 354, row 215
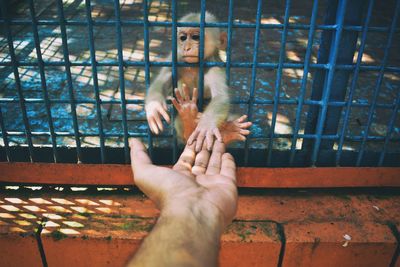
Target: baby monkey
column 191, row 125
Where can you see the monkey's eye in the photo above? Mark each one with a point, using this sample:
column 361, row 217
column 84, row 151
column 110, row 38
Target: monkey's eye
column 196, row 37
column 183, row 37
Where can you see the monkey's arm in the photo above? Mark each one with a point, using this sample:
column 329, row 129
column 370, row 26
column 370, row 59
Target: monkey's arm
column 215, row 113
column 155, row 103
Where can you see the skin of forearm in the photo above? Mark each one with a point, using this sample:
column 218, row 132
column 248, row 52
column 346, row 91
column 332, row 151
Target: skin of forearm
column 182, row 236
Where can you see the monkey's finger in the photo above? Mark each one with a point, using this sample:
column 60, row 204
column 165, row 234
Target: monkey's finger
column 165, row 115
column 244, row 132
column 244, row 125
column 195, row 95
column 228, row 166
column 193, row 137
column 217, row 134
column 242, row 118
column 200, row 140
column 201, row 162
column 186, row 94
column 176, row 104
column 214, row 164
column 209, row 140
column 178, row 95
column 159, row 123
column 153, row 126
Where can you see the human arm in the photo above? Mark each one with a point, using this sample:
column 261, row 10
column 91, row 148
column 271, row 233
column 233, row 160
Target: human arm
column 197, row 199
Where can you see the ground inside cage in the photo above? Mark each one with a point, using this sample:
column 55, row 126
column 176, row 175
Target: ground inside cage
column 293, row 228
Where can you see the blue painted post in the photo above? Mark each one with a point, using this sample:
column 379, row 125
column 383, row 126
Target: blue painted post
column 378, row 83
column 253, row 77
column 307, row 61
column 67, row 65
column 4, row 135
column 174, row 76
column 147, row 66
column 118, row 26
column 278, row 81
column 14, row 63
column 43, row 80
column 95, row 79
column 321, row 119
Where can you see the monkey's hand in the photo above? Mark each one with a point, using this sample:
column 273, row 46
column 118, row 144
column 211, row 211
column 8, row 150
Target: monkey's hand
column 154, row 111
column 236, row 130
column 205, row 131
column 186, row 107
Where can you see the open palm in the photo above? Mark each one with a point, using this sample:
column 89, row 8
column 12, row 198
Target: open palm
column 206, row 180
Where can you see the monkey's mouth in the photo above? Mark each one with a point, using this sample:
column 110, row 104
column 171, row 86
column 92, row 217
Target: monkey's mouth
column 191, row 59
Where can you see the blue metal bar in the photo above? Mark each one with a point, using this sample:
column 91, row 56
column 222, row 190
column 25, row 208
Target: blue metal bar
column 17, row 80
column 354, row 81
column 307, row 60
column 296, row 26
column 261, row 65
column 229, row 43
column 92, row 49
column 147, row 66
column 379, row 82
column 67, row 65
column 278, row 81
column 4, row 135
column 256, row 102
column 201, row 54
column 43, row 79
column 121, row 78
column 327, row 89
column 253, row 77
column 355, row 138
column 390, row 126
column 174, row 77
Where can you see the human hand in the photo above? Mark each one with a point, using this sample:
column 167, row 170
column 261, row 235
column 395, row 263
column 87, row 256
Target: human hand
column 154, row 111
column 201, row 183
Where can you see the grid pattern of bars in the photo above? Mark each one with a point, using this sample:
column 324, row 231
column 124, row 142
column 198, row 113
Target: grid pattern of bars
column 293, row 152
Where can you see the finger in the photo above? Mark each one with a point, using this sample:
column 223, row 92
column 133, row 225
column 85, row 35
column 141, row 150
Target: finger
column 201, row 162
column 244, row 132
column 199, row 140
column 228, row 166
column 186, row 160
column 217, row 134
column 242, row 118
column 139, row 154
column 195, row 95
column 193, row 137
column 178, row 95
column 245, row 124
column 176, row 104
column 209, row 140
column 153, row 126
column 214, row 164
column 165, row 115
column 186, row 94
column 159, row 123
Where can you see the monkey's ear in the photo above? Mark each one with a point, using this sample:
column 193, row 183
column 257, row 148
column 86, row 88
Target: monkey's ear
column 223, row 40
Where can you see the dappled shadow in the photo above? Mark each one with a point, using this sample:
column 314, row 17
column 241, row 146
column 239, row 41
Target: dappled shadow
column 133, row 47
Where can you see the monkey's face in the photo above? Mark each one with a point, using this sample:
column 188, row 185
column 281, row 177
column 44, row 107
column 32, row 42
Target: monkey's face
column 188, row 44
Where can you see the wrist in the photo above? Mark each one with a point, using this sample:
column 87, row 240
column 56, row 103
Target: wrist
column 203, row 216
